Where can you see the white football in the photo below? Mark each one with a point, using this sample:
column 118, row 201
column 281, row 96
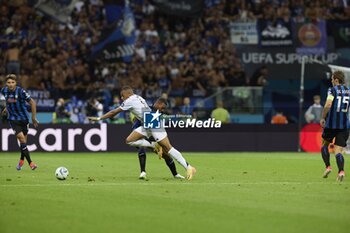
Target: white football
column 61, row 173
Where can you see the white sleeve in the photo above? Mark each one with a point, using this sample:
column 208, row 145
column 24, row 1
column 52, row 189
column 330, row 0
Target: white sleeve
column 126, row 105
column 308, row 114
column 308, row 111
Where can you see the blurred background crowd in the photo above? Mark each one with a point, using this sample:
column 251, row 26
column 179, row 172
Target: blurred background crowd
column 174, row 58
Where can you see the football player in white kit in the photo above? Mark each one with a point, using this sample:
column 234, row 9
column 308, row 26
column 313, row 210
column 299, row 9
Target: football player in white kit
column 137, row 105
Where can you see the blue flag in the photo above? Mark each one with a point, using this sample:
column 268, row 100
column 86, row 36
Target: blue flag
column 117, row 42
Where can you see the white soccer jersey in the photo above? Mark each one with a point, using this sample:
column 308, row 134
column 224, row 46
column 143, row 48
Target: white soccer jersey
column 136, row 105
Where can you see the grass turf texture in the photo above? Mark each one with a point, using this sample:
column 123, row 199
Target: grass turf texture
column 232, row 192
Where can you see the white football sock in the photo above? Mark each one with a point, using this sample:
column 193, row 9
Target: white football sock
column 175, row 154
column 142, row 143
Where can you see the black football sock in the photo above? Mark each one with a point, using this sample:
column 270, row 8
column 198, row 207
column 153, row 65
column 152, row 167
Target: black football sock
column 340, row 161
column 170, row 163
column 25, row 152
column 325, row 155
column 142, row 159
column 22, row 155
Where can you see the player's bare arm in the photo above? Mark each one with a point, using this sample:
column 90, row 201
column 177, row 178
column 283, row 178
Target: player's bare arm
column 4, row 112
column 325, row 111
column 109, row 114
column 33, row 107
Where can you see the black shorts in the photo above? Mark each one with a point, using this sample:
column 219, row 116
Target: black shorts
column 20, row 126
column 341, row 136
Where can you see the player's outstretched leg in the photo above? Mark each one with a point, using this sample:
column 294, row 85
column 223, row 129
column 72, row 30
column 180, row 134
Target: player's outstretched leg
column 325, row 157
column 172, row 167
column 142, row 160
column 141, row 143
column 175, row 154
column 136, row 139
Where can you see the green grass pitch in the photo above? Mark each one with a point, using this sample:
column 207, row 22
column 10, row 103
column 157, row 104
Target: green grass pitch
column 231, row 192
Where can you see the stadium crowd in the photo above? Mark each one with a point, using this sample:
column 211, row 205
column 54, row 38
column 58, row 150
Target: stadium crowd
column 177, row 57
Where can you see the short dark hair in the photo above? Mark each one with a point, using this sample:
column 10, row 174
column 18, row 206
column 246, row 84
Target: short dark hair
column 340, row 76
column 126, row 88
column 163, row 101
column 11, row 76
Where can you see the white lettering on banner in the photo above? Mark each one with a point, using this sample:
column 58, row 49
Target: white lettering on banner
column 47, row 103
column 71, row 138
column 42, row 98
column 39, row 94
column 102, row 133
column 57, row 133
column 285, row 58
column 257, row 58
column 32, row 147
column 5, row 133
column 244, row 32
column 120, row 51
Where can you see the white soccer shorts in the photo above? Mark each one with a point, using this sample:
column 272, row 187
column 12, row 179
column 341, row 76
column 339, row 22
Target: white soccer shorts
column 158, row 134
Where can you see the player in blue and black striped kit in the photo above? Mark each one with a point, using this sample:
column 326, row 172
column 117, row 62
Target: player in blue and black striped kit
column 335, row 123
column 17, row 115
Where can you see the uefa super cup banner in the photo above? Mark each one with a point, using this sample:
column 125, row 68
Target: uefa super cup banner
column 341, row 33
column 244, row 33
column 183, row 8
column 58, row 9
column 117, row 42
column 279, row 60
column 277, row 33
column 312, row 38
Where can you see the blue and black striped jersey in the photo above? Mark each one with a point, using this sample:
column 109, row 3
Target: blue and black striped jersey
column 338, row 117
column 16, row 103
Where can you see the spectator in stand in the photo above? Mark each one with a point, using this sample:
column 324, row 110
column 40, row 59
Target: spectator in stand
column 269, row 12
column 257, row 10
column 338, row 11
column 94, row 107
column 61, row 113
column 186, row 108
column 311, row 12
column 314, row 112
column 236, row 76
column 217, row 79
column 232, row 10
column 245, row 13
column 12, row 59
column 220, row 113
column 259, row 77
column 297, row 10
column 279, row 118
column 283, row 12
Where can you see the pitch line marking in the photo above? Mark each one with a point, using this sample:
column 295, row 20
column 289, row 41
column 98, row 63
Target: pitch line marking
column 160, row 184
